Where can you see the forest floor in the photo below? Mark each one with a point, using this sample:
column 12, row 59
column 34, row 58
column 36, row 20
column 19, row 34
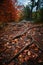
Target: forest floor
column 23, row 41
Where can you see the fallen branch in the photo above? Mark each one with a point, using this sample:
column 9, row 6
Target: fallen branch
column 20, row 51
column 17, row 36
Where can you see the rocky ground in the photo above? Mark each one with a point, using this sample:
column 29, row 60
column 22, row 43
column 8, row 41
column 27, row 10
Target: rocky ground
column 21, row 44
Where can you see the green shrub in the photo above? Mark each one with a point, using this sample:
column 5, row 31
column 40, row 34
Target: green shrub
column 38, row 16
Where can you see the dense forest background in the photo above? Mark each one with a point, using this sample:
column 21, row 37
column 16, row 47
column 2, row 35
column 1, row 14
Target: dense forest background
column 10, row 11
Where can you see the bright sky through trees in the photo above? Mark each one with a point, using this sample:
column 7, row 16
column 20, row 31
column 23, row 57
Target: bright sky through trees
column 25, row 2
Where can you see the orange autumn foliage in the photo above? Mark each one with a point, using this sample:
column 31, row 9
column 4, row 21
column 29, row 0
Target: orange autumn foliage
column 19, row 13
column 7, row 11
